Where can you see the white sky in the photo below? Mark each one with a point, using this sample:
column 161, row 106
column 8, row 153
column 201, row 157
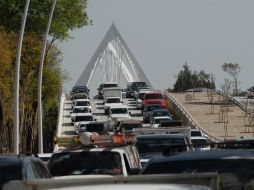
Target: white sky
column 164, row 34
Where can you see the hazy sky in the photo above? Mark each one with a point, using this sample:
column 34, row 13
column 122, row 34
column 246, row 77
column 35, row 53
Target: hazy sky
column 164, row 34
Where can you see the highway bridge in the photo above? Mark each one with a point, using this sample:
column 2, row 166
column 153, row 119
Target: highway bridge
column 115, row 62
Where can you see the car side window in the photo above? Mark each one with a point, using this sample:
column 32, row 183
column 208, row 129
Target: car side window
column 41, row 171
column 128, row 169
column 29, row 171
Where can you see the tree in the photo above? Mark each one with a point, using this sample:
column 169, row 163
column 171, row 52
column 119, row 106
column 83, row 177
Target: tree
column 233, row 69
column 186, row 79
column 68, row 15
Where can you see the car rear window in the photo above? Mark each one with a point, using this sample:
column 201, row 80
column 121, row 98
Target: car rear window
column 157, row 145
column 86, row 163
column 153, row 96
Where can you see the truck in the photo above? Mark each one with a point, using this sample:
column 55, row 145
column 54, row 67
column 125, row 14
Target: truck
column 112, row 92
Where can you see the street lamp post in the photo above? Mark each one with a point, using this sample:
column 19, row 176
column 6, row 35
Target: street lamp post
column 17, row 69
column 44, row 44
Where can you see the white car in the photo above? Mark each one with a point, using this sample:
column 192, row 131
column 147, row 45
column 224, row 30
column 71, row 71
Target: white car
column 200, row 143
column 117, row 113
column 79, row 109
column 82, row 117
column 111, row 101
column 81, row 102
column 156, row 120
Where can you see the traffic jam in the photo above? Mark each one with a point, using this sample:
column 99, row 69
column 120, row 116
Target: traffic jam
column 133, row 132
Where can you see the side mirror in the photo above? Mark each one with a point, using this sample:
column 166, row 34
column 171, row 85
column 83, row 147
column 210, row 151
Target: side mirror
column 122, row 101
column 95, row 119
column 135, row 171
column 130, row 113
column 70, row 111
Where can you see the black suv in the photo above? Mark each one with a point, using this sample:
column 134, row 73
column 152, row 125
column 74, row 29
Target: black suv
column 21, row 168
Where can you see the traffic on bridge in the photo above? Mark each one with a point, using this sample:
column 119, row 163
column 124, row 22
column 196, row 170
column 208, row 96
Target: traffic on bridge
column 114, row 129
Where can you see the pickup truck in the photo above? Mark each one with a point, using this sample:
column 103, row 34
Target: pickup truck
column 151, row 97
column 250, row 92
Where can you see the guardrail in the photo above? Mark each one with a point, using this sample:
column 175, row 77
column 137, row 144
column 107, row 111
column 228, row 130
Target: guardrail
column 187, row 117
column 236, row 102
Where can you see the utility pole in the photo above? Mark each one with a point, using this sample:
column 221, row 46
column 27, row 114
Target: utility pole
column 43, row 50
column 17, row 69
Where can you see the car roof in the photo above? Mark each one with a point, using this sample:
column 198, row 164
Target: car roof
column 206, row 155
column 198, row 137
column 82, row 100
column 153, row 92
column 131, row 121
column 118, row 106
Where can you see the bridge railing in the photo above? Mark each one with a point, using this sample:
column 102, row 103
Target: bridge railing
column 185, row 115
column 236, row 102
column 60, row 118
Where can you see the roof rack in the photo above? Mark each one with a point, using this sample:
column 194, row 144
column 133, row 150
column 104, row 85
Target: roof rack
column 162, row 130
column 92, row 138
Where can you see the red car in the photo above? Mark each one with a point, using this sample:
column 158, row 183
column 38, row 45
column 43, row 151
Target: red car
column 153, row 97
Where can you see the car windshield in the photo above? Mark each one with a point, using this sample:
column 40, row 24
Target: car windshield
column 156, row 145
column 86, row 163
column 199, row 143
column 157, row 121
column 196, row 134
column 83, row 103
column 109, row 85
column 153, row 96
column 113, row 100
column 153, row 107
column 160, row 113
column 119, row 110
column 81, row 110
column 84, row 118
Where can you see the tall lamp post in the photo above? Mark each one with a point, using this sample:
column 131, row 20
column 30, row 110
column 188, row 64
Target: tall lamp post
column 42, row 57
column 17, row 69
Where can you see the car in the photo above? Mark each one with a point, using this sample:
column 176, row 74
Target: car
column 97, row 157
column 111, row 101
column 147, row 111
column 80, row 89
column 81, row 103
column 154, row 97
column 156, row 144
column 79, row 109
column 82, row 118
column 155, row 122
column 105, row 85
column 132, row 87
column 129, row 124
column 159, row 113
column 196, row 133
column 18, row 167
column 250, row 92
column 239, row 163
column 200, row 143
column 117, row 113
